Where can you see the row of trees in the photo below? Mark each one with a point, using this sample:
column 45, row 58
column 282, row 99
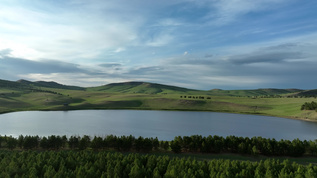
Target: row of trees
column 106, row 164
column 195, row 97
column 122, row 143
column 46, row 91
column 243, row 145
column 309, row 106
column 194, row 143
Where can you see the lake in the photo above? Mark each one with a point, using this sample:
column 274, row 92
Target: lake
column 162, row 124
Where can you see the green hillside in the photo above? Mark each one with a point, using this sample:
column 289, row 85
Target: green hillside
column 25, row 95
column 308, row 93
column 11, row 84
column 257, row 92
column 153, row 88
column 141, row 87
column 49, row 85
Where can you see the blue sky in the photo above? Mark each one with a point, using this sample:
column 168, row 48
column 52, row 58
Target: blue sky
column 206, row 44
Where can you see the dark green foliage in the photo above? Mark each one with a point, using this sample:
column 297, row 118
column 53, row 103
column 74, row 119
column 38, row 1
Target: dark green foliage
column 186, row 144
column 308, row 93
column 11, row 84
column 11, row 142
column 73, row 142
column 97, row 143
column 30, row 142
column 84, row 142
column 241, row 145
column 85, row 163
column 105, row 164
column 309, row 106
column 164, row 145
column 175, row 146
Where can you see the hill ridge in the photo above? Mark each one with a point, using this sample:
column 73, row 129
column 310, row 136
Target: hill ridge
column 156, row 88
column 140, row 87
column 48, row 84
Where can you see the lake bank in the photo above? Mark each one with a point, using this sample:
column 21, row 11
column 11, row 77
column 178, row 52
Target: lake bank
column 162, row 124
column 151, row 109
column 85, row 100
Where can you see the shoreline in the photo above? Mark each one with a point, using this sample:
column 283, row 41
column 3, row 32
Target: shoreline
column 144, row 109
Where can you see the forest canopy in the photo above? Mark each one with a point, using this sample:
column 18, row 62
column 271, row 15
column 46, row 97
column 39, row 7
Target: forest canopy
column 185, row 144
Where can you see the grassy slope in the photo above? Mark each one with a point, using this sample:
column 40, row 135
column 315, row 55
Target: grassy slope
column 258, row 92
column 40, row 84
column 142, row 88
column 139, row 95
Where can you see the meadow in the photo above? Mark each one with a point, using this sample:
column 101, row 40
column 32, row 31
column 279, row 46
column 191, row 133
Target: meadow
column 151, row 98
column 44, row 161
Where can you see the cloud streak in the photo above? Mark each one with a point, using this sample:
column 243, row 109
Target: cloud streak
column 266, row 57
column 197, row 44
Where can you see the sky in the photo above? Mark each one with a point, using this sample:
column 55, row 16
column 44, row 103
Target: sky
column 205, row 44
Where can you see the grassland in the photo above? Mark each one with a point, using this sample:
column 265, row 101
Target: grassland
column 22, row 96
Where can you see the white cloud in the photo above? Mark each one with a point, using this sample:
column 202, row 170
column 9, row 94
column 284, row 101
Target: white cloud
column 65, row 35
column 77, row 79
column 236, row 81
column 115, row 41
column 229, row 11
column 160, row 40
column 118, row 50
column 5, row 52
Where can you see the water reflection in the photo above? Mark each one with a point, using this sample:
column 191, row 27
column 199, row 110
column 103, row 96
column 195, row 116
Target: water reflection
column 162, row 124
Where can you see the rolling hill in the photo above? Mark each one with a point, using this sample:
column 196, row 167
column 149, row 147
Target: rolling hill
column 25, row 84
column 25, row 95
column 49, row 85
column 154, row 88
column 141, row 87
column 257, row 92
column 11, row 84
column 307, row 93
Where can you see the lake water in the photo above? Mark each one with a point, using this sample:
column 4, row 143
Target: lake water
column 162, row 124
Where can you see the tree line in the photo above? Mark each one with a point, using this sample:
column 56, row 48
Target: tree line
column 53, row 142
column 87, row 163
column 195, row 97
column 185, row 144
column 309, row 106
column 243, row 145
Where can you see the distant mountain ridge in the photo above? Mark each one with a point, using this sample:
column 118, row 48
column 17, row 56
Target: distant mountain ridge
column 50, row 84
column 140, row 87
column 256, row 92
column 28, row 84
column 308, row 93
column 155, row 88
column 10, row 84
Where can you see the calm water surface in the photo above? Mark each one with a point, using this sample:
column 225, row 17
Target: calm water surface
column 162, row 124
